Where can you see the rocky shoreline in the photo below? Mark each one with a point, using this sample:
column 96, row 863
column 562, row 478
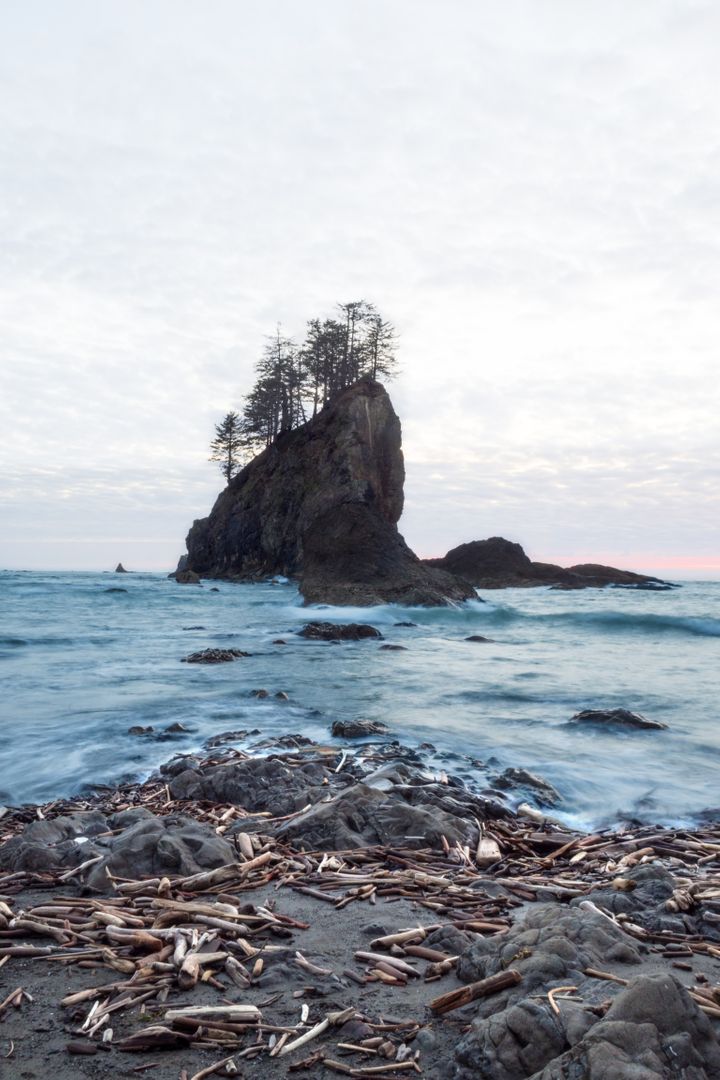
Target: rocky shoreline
column 343, row 909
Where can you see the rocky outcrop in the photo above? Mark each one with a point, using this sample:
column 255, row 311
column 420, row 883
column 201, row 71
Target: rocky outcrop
column 322, row 504
column 617, row 718
column 497, row 563
column 120, row 569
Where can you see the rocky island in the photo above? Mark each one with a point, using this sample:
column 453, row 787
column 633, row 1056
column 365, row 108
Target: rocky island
column 322, row 503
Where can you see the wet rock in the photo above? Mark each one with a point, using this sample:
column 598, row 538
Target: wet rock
column 542, row 790
column 324, row 631
column 405, row 624
column 652, row 1030
column 394, row 648
column 48, row 845
column 214, row 589
column 255, row 784
column 138, row 729
column 261, row 693
column 284, row 742
column 279, row 641
column 120, row 569
column 479, row 638
column 213, row 656
column 395, row 805
column 227, row 737
column 185, row 577
column 115, row 590
column 194, row 628
column 616, row 718
column 176, row 729
column 281, row 695
column 357, row 729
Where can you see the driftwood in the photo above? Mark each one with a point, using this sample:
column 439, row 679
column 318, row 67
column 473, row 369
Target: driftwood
column 455, row 999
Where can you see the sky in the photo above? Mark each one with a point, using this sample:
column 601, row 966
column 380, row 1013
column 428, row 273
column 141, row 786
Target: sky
column 529, row 191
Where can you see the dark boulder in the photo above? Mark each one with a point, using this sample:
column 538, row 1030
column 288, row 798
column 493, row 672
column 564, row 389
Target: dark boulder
column 145, row 846
column 185, row 577
column 257, row 784
column 541, row 790
column 357, row 729
column 120, row 569
column 214, row 656
column 617, row 718
column 325, row 631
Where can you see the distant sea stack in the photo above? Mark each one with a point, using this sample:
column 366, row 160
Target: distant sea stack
column 321, row 504
column 497, row 563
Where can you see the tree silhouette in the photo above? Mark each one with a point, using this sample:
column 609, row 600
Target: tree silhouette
column 228, row 444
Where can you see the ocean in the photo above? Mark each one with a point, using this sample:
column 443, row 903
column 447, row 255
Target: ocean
column 81, row 663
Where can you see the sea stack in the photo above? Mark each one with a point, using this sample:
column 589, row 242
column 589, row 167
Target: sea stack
column 321, row 504
column 120, row 569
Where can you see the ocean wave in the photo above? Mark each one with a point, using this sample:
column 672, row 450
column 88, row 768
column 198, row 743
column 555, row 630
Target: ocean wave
column 623, row 620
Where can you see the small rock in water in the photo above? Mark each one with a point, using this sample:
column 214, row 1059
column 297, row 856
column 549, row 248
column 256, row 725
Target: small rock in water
column 120, row 569
column 260, row 693
column 115, row 589
column 282, row 696
column 213, row 656
column 324, row 631
column 279, row 641
column 394, row 648
column 185, row 577
column 194, row 628
column 357, row 729
column 176, row 728
column 214, row 589
column 478, row 637
column 138, row 729
column 619, row 717
column 405, row 624
column 227, row 737
column 543, row 791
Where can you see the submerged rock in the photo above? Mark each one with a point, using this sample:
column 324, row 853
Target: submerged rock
column 214, row 656
column 357, row 729
column 479, row 638
column 325, row 631
column 322, row 503
column 617, row 718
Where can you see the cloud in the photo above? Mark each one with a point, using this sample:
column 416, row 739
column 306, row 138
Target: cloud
column 528, row 191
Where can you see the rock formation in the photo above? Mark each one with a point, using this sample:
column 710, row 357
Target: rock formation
column 498, row 564
column 322, row 504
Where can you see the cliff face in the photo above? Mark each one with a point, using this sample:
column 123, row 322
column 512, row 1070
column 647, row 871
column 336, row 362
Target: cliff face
column 322, row 503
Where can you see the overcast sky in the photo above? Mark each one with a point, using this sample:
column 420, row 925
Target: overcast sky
column 529, row 190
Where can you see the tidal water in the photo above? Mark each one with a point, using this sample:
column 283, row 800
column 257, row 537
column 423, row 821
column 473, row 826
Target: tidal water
column 81, row 663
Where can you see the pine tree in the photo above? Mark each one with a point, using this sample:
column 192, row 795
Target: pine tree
column 226, row 448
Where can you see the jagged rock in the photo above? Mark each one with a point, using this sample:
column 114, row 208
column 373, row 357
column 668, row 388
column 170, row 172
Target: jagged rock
column 146, row 847
column 498, row 563
column 645, row 896
column 120, row 569
column 227, row 737
column 322, row 502
column 357, row 729
column 549, row 945
column 617, row 718
column 542, row 790
column 516, row 1033
column 652, row 1031
column 256, row 784
column 138, row 729
column 397, row 805
column 213, row 656
column 325, row 631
